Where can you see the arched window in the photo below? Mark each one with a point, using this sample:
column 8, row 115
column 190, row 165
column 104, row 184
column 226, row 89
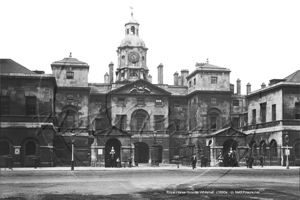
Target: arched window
column 139, row 120
column 253, row 149
column 30, row 148
column 132, row 30
column 274, row 148
column 263, row 148
column 214, row 119
column 4, row 148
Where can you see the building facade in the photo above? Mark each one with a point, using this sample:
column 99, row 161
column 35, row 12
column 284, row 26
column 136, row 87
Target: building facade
column 199, row 114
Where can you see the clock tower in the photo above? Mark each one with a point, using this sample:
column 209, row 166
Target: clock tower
column 132, row 54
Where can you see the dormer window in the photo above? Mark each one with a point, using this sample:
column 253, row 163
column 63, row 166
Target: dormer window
column 132, row 30
column 70, row 75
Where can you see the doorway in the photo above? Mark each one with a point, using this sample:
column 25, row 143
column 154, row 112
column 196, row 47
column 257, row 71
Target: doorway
column 227, row 145
column 142, row 152
column 113, row 142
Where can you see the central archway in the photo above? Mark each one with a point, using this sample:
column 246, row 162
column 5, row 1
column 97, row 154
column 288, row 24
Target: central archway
column 142, row 152
column 227, row 145
column 113, row 142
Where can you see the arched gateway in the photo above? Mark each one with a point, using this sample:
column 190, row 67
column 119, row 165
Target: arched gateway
column 142, row 152
column 113, row 142
column 229, row 144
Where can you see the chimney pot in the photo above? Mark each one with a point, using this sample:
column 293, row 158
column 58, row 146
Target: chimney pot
column 248, row 86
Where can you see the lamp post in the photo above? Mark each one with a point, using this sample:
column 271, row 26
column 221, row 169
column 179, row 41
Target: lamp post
column 73, row 137
column 154, row 161
column 287, row 152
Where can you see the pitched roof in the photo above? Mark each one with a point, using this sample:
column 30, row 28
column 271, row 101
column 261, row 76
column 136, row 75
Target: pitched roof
column 10, row 66
column 294, row 77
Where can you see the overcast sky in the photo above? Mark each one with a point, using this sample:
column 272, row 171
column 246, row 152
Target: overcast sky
column 257, row 40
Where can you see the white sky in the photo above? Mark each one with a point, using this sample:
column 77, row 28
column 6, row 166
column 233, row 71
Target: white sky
column 258, row 40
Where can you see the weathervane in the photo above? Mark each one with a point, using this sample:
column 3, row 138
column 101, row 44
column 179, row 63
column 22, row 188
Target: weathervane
column 131, row 11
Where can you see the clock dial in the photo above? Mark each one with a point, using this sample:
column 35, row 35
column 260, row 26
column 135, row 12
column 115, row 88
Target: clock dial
column 133, row 57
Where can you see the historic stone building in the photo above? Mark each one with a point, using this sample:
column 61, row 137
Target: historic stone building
column 199, row 114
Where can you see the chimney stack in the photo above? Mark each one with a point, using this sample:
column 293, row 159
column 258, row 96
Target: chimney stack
column 184, row 74
column 111, row 72
column 263, row 85
column 160, row 74
column 176, row 78
column 106, row 78
column 179, row 80
column 238, row 86
column 149, row 78
column 248, row 88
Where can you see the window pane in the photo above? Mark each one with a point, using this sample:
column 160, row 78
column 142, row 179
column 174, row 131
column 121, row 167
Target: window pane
column 214, row 80
column 213, row 122
column 98, row 123
column 70, row 75
column 4, row 148
column 30, row 105
column 5, row 105
column 158, row 102
column 159, row 121
column 30, row 148
column 236, row 102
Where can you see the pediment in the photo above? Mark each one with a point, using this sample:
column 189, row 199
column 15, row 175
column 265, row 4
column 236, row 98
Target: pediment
column 140, row 87
column 227, row 132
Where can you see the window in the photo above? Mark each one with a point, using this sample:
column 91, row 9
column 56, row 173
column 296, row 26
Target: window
column 121, row 102
column 236, row 122
column 30, row 105
column 4, row 148
column 213, row 122
column 137, row 31
column 194, row 81
column 139, row 123
column 263, row 148
column 140, row 101
column 30, row 148
column 297, row 110
column 214, row 80
column 98, row 122
column 176, row 104
column 158, row 102
column 68, row 118
column 132, row 30
column 263, row 107
column 133, row 73
column 5, row 105
column 70, row 97
column 121, row 121
column 254, row 116
column 236, row 103
column 190, row 83
column 213, row 100
column 254, row 150
column 273, row 112
column 274, row 148
column 128, row 31
column 159, row 122
column 70, row 75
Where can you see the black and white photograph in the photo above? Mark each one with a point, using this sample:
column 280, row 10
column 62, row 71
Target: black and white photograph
column 161, row 99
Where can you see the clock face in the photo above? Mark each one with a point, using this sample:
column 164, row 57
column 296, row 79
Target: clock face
column 133, row 57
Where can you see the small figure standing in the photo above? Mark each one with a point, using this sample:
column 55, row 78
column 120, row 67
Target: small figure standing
column 112, row 157
column 220, row 159
column 194, row 161
column 261, row 160
column 251, row 160
column 247, row 161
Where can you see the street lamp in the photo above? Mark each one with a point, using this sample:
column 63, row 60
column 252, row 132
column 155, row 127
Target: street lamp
column 73, row 137
column 154, row 160
column 287, row 152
